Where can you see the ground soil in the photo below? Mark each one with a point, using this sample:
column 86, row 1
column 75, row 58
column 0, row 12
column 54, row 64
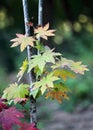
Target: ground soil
column 77, row 120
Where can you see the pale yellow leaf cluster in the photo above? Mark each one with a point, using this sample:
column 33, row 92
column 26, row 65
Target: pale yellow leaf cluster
column 76, row 67
column 23, row 41
column 43, row 32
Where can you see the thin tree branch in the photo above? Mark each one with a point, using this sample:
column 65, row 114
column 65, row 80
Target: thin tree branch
column 40, row 18
column 27, row 32
column 40, row 10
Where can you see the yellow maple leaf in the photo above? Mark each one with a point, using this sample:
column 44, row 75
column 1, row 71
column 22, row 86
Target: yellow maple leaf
column 78, row 67
column 43, row 32
column 23, row 41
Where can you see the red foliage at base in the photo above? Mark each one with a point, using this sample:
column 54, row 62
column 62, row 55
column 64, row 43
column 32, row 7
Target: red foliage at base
column 26, row 126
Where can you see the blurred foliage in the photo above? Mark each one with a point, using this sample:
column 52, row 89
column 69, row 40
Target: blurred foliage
column 3, row 80
column 76, row 40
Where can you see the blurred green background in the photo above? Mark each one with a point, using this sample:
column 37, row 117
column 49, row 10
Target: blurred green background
column 73, row 21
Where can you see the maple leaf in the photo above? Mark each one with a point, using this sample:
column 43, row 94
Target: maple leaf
column 10, row 117
column 76, row 67
column 26, row 126
column 64, row 74
column 58, row 95
column 43, row 32
column 38, row 72
column 41, row 59
column 23, row 41
column 22, row 69
column 16, row 91
column 35, row 93
column 39, row 46
column 45, row 83
column 59, row 92
column 60, row 86
column 20, row 100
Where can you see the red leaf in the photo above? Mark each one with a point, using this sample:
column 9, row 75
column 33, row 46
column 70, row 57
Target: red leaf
column 2, row 106
column 10, row 117
column 26, row 126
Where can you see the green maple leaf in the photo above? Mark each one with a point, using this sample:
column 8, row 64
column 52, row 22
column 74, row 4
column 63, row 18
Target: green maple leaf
column 45, row 83
column 23, row 41
column 16, row 91
column 63, row 73
column 22, row 69
column 40, row 60
column 39, row 46
column 60, row 86
column 36, row 93
column 37, row 71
